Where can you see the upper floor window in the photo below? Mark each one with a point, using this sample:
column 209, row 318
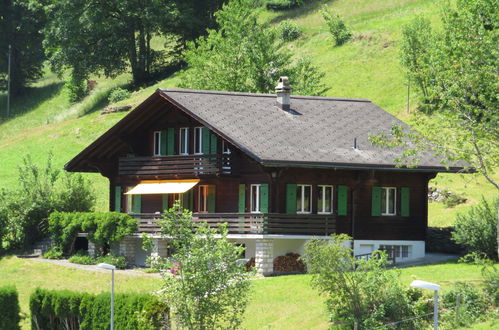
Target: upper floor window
column 198, row 140
column 303, row 198
column 388, row 200
column 255, row 198
column 226, row 148
column 325, row 199
column 183, row 141
column 157, row 143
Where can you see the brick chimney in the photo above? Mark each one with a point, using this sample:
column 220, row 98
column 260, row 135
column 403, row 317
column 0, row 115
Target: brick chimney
column 283, row 91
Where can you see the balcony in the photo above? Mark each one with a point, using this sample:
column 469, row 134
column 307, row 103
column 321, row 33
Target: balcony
column 251, row 223
column 187, row 165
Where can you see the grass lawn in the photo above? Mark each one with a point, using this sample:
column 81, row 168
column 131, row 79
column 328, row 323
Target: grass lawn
column 284, row 302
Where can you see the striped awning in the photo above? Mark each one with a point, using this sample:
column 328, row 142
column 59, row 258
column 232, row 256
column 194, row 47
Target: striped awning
column 162, row 187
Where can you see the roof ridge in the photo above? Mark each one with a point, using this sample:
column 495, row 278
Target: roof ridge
column 201, row 91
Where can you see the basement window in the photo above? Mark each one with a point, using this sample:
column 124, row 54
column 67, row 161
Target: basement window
column 388, row 200
column 399, row 251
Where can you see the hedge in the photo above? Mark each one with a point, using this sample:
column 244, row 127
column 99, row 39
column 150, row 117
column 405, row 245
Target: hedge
column 51, row 309
column 9, row 308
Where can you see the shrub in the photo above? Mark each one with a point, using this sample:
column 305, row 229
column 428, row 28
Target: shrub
column 471, row 303
column 53, row 253
column 289, row 31
column 118, row 94
column 82, row 259
column 118, row 261
column 491, row 284
column 336, row 26
column 74, row 310
column 477, row 229
column 283, row 4
column 9, row 308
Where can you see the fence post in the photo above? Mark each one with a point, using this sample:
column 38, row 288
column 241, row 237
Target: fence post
column 458, row 307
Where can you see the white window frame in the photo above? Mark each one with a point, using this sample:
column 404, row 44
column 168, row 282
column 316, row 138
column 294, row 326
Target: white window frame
column 226, row 148
column 157, row 143
column 398, row 250
column 302, row 192
column 255, row 208
column 202, row 191
column 198, row 140
column 322, row 192
column 386, row 211
column 183, row 133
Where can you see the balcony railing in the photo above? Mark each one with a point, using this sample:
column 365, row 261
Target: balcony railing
column 187, row 165
column 251, row 223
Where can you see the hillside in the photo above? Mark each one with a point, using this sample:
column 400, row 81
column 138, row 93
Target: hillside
column 366, row 67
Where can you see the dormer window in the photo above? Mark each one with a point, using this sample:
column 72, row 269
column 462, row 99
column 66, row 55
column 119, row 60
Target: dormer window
column 198, row 140
column 157, row 143
column 183, row 141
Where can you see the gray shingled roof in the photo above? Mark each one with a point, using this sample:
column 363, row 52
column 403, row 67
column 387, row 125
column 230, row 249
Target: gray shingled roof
column 318, row 131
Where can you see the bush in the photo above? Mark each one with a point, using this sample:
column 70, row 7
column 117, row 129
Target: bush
column 9, row 308
column 477, row 229
column 118, row 94
column 491, row 284
column 82, row 259
column 289, row 31
column 77, row 310
column 337, row 27
column 471, row 304
column 118, row 261
column 283, row 4
column 53, row 253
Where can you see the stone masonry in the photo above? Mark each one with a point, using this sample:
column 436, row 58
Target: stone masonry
column 91, row 249
column 160, row 248
column 264, row 256
column 127, row 249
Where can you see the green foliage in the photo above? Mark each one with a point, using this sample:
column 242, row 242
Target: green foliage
column 103, row 228
column 283, row 4
column 40, row 192
column 289, row 31
column 337, row 27
column 243, row 55
column 82, row 259
column 359, row 291
column 9, row 308
column 75, row 310
column 211, row 289
column 118, row 94
column 452, row 199
column 471, row 304
column 53, row 253
column 75, row 85
column 118, row 261
column 477, row 229
column 491, row 284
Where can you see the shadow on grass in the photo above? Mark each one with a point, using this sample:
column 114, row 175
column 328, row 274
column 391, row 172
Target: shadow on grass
column 29, row 99
column 305, row 9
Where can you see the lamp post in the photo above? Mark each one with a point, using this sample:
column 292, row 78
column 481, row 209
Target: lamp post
column 112, row 268
column 430, row 286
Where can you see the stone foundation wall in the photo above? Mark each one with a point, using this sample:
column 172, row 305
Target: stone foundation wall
column 264, row 256
column 127, row 249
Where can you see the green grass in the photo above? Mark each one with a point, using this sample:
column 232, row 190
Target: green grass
column 284, row 302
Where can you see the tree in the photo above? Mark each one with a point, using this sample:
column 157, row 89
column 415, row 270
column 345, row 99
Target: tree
column 457, row 70
column 358, row 292
column 21, row 23
column 209, row 290
column 244, row 55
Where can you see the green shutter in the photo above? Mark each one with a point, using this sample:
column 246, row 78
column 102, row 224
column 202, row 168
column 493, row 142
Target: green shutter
column 342, row 200
column 376, row 202
column 136, row 203
column 210, row 201
column 163, row 138
column 117, row 199
column 206, row 140
column 264, row 198
column 291, row 198
column 170, row 143
column 404, row 205
column 164, row 202
column 213, row 144
column 242, row 198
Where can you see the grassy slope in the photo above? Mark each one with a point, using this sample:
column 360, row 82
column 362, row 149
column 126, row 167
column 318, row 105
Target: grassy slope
column 284, row 302
column 367, row 67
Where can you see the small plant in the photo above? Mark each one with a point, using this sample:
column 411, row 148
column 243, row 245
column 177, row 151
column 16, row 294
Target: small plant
column 289, row 31
column 464, row 304
column 491, row 284
column 156, row 263
column 118, row 261
column 337, row 27
column 82, row 259
column 53, row 253
column 283, row 4
column 118, row 94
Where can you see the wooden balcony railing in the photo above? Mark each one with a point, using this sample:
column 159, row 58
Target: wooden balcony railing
column 251, row 223
column 187, row 165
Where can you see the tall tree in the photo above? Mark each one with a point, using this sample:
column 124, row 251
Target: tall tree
column 21, row 23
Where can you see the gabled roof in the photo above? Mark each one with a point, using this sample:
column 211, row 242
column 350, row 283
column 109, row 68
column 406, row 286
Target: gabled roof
column 316, row 132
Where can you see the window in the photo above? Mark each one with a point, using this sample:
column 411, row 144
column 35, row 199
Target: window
column 183, row 141
column 325, row 199
column 226, row 148
column 157, row 143
column 388, row 200
column 202, row 205
column 303, row 198
column 198, row 140
column 398, row 251
column 255, row 198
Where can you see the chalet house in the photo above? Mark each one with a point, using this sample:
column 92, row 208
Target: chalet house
column 279, row 170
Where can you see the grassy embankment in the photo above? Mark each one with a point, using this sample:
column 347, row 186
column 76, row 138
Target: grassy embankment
column 366, row 67
column 284, row 302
